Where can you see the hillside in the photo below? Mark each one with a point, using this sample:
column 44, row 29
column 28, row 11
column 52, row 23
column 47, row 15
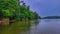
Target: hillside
column 51, row 17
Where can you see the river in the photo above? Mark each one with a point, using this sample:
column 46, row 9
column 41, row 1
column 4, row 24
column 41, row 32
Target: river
column 48, row 26
column 42, row 26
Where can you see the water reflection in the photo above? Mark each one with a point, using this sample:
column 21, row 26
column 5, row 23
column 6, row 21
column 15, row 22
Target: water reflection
column 42, row 26
column 33, row 28
column 49, row 26
column 25, row 27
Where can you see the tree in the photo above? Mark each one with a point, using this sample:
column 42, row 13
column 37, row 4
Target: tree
column 13, row 10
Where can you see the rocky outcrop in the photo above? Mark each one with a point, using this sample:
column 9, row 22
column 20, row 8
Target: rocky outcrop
column 4, row 21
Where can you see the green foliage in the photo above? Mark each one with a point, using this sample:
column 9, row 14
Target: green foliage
column 11, row 9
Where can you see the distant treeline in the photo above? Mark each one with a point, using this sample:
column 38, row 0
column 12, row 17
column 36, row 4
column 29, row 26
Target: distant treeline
column 16, row 9
column 52, row 17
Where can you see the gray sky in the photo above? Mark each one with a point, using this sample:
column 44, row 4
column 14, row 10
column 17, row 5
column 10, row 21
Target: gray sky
column 45, row 7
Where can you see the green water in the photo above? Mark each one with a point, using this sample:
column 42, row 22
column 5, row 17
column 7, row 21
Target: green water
column 17, row 28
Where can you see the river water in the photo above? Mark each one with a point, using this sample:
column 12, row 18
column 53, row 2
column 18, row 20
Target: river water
column 42, row 26
column 45, row 26
column 48, row 26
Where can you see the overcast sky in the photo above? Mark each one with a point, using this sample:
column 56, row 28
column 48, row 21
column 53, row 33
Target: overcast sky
column 45, row 7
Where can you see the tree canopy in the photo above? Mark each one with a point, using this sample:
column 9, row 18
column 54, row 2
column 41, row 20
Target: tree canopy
column 13, row 10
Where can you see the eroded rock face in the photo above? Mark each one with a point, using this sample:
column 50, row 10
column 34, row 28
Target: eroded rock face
column 4, row 21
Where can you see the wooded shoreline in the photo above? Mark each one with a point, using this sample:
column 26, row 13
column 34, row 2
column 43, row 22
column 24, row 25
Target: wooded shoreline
column 15, row 10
